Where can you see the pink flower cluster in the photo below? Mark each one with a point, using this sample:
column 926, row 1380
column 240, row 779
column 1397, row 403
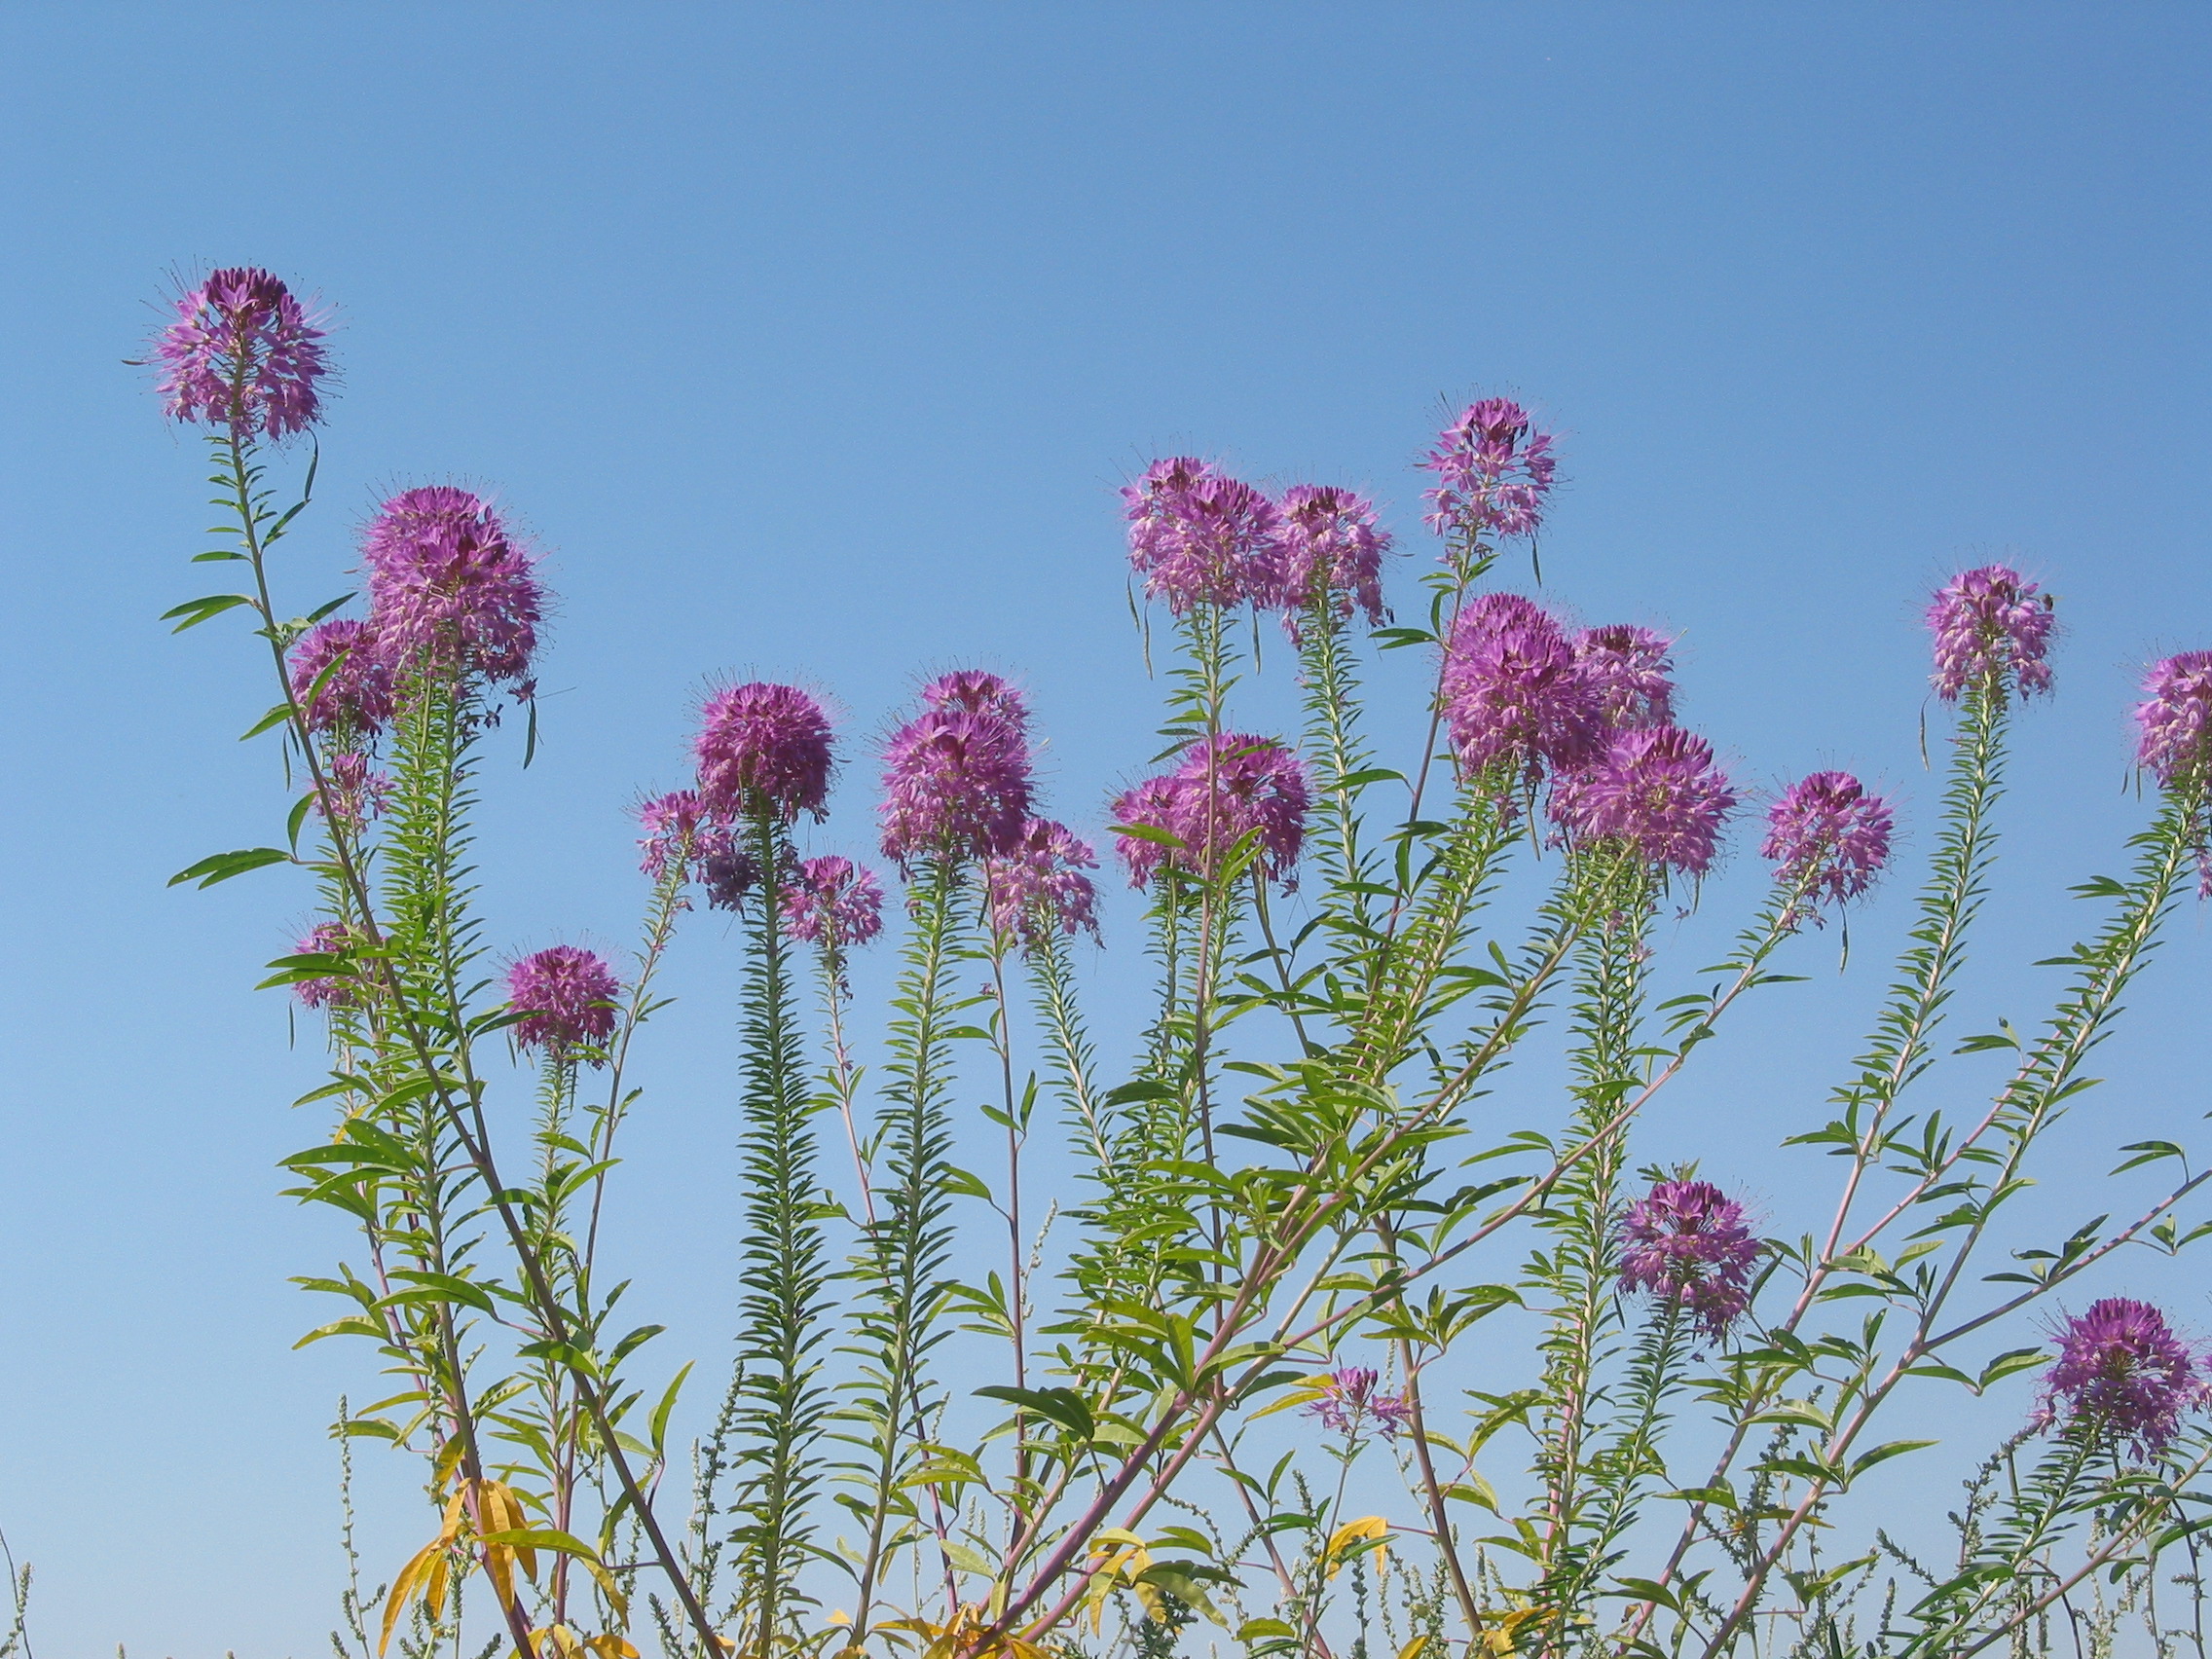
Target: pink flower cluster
column 451, row 593
column 325, row 939
column 1492, row 473
column 1523, row 700
column 1829, row 837
column 2174, row 720
column 1199, row 536
column 1992, row 628
column 1350, row 1400
column 764, row 749
column 243, row 353
column 565, row 995
column 956, row 778
column 1039, row 889
column 1227, row 789
column 1689, row 1243
column 834, row 902
column 2122, row 1369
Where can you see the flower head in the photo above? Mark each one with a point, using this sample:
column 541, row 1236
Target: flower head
column 1829, row 837
column 1630, row 674
column 1201, row 538
column 1688, row 1242
column 1348, row 1400
column 764, row 749
column 834, row 902
column 1492, row 473
column 956, row 785
column 1227, row 788
column 326, row 938
column 1656, row 789
column 450, row 590
column 981, row 692
column 2122, row 1369
column 1332, row 553
column 1514, row 692
column 673, row 825
column 1991, row 626
column 1039, row 889
column 357, row 698
column 2175, row 720
column 565, row 995
column 242, row 353
column 355, row 791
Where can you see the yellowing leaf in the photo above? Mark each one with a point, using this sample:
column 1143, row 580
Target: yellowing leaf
column 1352, row 1535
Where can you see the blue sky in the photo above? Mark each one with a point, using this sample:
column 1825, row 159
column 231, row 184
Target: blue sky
column 812, row 340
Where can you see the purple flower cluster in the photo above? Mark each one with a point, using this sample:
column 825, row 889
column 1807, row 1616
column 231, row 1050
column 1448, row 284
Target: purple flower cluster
column 1829, row 837
column 2122, row 1369
column 834, row 902
column 1992, row 628
column 243, row 354
column 1514, row 692
column 1199, row 536
column 325, row 939
column 1492, row 473
column 764, row 749
column 451, row 591
column 1350, row 1400
column 1039, row 889
column 1658, row 791
column 565, row 995
column 1331, row 552
column 353, row 789
column 2174, row 722
column 1630, row 674
column 1689, row 1243
column 956, row 782
column 1227, row 788
column 357, row 697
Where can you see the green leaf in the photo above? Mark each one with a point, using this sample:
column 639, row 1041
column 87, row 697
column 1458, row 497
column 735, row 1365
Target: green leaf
column 221, row 866
column 197, row 610
column 1063, row 1406
column 1883, row 1454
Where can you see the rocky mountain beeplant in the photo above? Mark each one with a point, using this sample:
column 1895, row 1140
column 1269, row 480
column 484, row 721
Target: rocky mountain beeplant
column 1148, row 1412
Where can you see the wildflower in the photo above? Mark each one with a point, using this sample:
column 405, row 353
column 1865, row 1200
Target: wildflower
column 326, row 938
column 450, row 590
column 243, row 353
column 764, row 749
column 1201, row 538
column 1332, row 553
column 1990, row 624
column 2176, row 720
column 354, row 792
column 1658, row 790
column 1513, row 691
column 956, row 785
column 565, row 995
column 1689, row 1243
column 1228, row 787
column 981, row 692
column 673, row 825
column 1629, row 674
column 834, row 902
column 1349, row 1399
column 1149, row 805
column 2122, row 1369
column 357, row 698
column 1039, row 888
column 1492, row 473
column 1828, row 836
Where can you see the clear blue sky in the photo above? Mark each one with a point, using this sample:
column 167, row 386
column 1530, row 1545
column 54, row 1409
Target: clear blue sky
column 812, row 339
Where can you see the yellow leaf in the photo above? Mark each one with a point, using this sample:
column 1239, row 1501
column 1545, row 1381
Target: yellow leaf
column 1412, row 1648
column 1353, row 1533
column 403, row 1586
column 1303, row 1393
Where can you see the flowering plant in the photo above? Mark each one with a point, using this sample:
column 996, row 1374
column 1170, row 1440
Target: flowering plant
column 1301, row 1194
